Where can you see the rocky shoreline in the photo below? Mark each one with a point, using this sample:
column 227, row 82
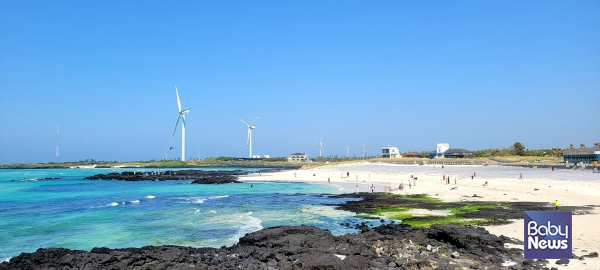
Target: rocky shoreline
column 304, row 247
column 499, row 213
column 198, row 176
column 393, row 246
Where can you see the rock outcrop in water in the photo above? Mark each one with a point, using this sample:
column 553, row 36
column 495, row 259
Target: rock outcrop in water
column 305, row 247
column 199, row 177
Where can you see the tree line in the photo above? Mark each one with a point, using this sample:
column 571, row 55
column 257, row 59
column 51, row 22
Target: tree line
column 518, row 149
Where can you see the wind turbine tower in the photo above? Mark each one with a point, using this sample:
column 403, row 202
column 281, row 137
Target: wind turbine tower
column 181, row 114
column 347, row 151
column 57, row 126
column 363, row 148
column 320, row 143
column 250, row 128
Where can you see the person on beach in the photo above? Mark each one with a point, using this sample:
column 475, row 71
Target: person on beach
column 455, row 180
column 556, row 204
column 329, row 180
column 347, row 174
column 474, row 174
column 520, row 175
column 372, row 188
column 442, row 167
column 294, row 174
column 415, row 181
column 409, row 185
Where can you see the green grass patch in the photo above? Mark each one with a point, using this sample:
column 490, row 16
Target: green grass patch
column 401, row 210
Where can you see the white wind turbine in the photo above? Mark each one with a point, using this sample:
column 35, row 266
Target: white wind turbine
column 320, row 143
column 250, row 128
column 363, row 148
column 181, row 114
column 347, row 151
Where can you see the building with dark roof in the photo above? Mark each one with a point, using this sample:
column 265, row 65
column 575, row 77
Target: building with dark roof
column 582, row 155
column 452, row 153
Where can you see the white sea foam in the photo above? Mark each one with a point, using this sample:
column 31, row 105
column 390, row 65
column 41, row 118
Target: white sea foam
column 5, row 260
column 113, row 204
column 199, row 201
column 203, row 199
column 249, row 224
column 135, row 201
column 150, row 197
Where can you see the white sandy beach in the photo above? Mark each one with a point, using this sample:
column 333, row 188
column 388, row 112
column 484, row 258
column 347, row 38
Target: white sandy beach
column 569, row 187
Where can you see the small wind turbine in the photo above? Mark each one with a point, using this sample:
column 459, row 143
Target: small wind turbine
column 363, row 148
column 347, row 151
column 198, row 151
column 320, row 143
column 181, row 114
column 250, row 128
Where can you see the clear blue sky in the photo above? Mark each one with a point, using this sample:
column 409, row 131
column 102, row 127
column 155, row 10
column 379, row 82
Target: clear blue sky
column 475, row 74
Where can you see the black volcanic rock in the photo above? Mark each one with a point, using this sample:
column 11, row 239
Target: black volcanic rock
column 198, row 176
column 303, row 247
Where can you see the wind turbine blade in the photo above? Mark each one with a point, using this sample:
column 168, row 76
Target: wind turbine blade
column 322, row 137
column 244, row 122
column 256, row 118
column 176, row 122
column 178, row 102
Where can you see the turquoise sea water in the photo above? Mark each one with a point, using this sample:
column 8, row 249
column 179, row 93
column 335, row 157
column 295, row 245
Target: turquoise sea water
column 82, row 214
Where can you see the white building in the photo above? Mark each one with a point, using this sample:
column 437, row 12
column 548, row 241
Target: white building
column 267, row 156
column 441, row 149
column 298, row 157
column 390, row 152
